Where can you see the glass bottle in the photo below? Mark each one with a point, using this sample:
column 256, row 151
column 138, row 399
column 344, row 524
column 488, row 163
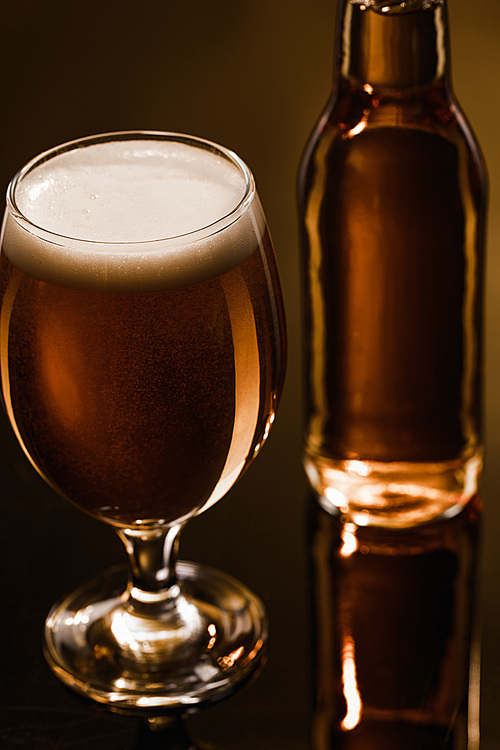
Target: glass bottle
column 392, row 192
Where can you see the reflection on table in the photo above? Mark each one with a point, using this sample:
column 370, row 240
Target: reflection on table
column 396, row 658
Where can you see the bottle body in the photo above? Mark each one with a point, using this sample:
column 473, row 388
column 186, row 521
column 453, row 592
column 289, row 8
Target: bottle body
column 392, row 195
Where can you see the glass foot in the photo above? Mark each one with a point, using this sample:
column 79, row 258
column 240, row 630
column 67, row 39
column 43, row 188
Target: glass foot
column 208, row 641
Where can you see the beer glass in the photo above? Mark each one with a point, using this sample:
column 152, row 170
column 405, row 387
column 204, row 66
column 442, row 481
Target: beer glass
column 142, row 359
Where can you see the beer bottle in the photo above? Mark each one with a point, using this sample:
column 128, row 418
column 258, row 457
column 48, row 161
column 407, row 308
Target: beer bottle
column 392, row 191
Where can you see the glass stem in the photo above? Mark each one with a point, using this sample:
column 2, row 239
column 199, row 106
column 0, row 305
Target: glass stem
column 153, row 585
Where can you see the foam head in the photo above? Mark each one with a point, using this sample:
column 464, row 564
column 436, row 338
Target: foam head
column 133, row 213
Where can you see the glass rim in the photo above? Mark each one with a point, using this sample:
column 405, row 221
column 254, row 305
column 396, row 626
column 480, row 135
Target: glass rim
column 130, row 135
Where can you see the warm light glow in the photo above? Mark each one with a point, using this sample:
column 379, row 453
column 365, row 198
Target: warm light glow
column 360, row 468
column 6, row 312
column 336, row 497
column 122, row 633
column 312, row 220
column 357, row 129
column 144, row 636
column 229, row 660
column 349, row 540
column 81, row 618
column 351, row 692
column 235, row 655
column 473, row 724
column 247, row 381
column 212, row 632
column 368, row 88
column 254, row 651
column 267, row 429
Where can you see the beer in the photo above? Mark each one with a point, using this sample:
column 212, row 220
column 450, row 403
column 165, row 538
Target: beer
column 392, row 197
column 141, row 374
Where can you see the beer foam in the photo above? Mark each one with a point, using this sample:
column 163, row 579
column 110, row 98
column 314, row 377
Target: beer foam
column 132, row 215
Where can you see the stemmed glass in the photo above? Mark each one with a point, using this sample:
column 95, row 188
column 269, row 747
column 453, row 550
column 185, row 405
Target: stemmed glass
column 142, row 358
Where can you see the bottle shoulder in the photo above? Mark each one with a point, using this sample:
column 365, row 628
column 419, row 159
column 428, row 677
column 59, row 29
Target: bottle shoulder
column 352, row 110
column 360, row 120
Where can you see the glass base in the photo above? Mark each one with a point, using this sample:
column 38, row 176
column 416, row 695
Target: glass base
column 206, row 646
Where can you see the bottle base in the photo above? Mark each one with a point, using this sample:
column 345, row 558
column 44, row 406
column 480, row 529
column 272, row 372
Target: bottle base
column 393, row 494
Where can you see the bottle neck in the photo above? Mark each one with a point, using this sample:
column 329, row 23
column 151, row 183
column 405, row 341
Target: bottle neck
column 396, row 44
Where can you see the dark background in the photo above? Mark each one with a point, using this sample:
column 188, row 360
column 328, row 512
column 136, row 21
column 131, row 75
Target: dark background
column 252, row 76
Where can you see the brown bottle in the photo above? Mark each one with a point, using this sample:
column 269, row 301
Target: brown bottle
column 396, row 652
column 392, row 198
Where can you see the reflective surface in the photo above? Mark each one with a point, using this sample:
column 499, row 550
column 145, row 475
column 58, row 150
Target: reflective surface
column 389, row 627
column 396, row 642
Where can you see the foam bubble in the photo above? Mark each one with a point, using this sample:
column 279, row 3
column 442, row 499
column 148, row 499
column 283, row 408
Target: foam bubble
column 132, row 215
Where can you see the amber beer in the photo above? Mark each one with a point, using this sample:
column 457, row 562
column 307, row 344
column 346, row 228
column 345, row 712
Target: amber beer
column 139, row 374
column 392, row 197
